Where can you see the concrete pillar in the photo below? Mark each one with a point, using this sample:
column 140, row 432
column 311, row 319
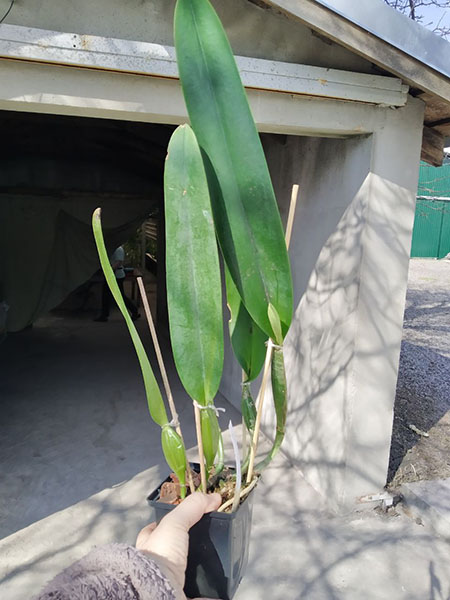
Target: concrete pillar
column 350, row 254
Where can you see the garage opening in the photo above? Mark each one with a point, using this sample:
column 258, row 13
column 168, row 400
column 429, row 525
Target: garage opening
column 70, row 387
column 74, row 421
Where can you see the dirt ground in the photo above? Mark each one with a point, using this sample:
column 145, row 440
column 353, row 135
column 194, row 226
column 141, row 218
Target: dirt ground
column 420, row 448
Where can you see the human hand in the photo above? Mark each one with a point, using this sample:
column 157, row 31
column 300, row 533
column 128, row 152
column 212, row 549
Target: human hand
column 169, row 541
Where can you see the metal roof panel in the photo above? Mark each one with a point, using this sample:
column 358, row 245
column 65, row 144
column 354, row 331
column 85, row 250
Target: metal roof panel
column 386, row 23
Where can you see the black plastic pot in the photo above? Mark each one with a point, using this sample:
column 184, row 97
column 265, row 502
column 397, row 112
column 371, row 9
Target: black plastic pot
column 218, row 549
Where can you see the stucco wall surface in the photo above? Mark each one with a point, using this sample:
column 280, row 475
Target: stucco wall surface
column 350, row 255
column 252, row 31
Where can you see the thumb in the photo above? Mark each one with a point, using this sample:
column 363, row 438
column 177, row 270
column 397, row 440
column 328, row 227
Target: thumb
column 189, row 512
column 170, row 540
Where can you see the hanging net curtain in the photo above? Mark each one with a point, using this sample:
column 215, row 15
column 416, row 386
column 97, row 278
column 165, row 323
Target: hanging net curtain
column 55, row 171
column 47, row 248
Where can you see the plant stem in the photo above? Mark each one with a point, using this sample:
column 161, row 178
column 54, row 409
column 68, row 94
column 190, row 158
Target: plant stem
column 220, row 457
column 237, row 459
column 244, row 437
column 162, row 368
column 201, row 455
column 280, row 404
column 259, row 403
column 244, row 427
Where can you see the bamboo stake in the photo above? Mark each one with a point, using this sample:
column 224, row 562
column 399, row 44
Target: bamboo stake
column 290, row 221
column 259, row 404
column 201, row 455
column 162, row 368
column 260, row 400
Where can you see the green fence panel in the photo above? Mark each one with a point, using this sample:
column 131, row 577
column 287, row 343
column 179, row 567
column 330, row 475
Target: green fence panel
column 444, row 241
column 427, row 228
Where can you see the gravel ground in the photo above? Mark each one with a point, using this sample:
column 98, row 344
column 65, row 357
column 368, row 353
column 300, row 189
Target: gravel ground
column 423, row 388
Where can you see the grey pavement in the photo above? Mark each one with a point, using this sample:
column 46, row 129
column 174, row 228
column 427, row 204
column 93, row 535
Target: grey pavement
column 79, row 454
column 430, row 500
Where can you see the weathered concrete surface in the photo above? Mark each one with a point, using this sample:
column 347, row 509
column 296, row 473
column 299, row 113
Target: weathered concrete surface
column 252, row 31
column 431, row 500
column 79, row 454
column 363, row 556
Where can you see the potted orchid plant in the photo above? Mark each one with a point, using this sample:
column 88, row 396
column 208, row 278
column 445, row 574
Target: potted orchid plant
column 219, row 201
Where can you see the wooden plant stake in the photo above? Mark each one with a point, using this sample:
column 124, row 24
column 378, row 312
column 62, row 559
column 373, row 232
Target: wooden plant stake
column 290, row 221
column 162, row 368
column 262, row 390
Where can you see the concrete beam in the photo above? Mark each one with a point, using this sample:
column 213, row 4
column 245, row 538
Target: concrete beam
column 42, row 88
column 143, row 58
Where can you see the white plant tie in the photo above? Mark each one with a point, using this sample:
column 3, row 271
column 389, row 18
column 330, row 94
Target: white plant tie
column 274, row 346
column 174, row 423
column 217, row 410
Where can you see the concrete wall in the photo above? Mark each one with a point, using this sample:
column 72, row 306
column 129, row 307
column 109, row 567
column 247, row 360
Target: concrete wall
column 252, row 30
column 350, row 255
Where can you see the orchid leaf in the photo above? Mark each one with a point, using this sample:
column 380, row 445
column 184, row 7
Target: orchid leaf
column 247, row 339
column 194, row 294
column 245, row 212
column 154, row 398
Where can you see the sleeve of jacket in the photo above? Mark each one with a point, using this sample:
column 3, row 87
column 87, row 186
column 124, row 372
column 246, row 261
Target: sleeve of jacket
column 113, row 572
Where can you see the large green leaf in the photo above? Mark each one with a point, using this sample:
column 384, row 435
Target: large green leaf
column 194, row 294
column 245, row 211
column 154, row 398
column 247, row 339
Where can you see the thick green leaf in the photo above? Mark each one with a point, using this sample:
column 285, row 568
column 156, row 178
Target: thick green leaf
column 154, row 398
column 245, row 211
column 194, row 294
column 247, row 339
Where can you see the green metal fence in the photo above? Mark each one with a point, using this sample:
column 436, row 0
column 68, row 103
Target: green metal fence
column 431, row 233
